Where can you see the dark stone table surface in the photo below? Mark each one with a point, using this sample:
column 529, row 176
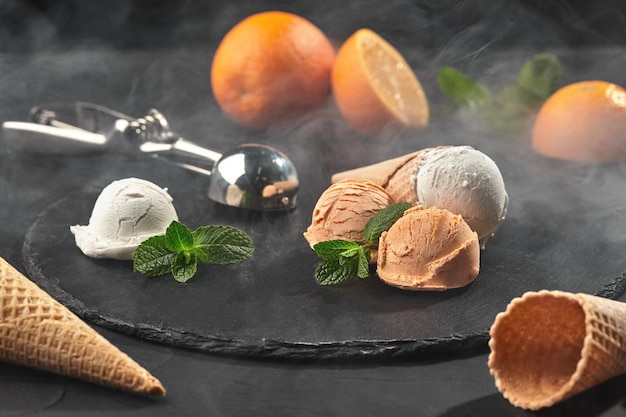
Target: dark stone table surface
column 566, row 228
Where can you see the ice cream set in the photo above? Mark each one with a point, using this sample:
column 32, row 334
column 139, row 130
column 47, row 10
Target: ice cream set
column 460, row 201
column 458, row 198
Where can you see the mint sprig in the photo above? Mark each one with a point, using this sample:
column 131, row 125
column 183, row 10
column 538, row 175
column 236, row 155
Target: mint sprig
column 343, row 259
column 461, row 89
column 510, row 109
column 180, row 250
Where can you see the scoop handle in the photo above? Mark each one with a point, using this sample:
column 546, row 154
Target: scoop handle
column 49, row 139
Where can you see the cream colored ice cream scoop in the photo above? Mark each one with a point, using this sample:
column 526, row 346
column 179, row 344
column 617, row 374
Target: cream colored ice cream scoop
column 428, row 249
column 127, row 212
column 466, row 182
column 458, row 178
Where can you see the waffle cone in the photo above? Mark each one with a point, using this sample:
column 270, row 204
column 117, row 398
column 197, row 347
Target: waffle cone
column 551, row 345
column 39, row 332
column 394, row 175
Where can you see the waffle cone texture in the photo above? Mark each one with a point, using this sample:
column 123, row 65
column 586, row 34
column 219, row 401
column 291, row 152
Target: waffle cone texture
column 39, row 332
column 551, row 345
column 394, row 175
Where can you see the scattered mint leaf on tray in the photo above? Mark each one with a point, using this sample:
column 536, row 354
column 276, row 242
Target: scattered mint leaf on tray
column 180, row 250
column 539, row 77
column 461, row 89
column 343, row 259
column 512, row 108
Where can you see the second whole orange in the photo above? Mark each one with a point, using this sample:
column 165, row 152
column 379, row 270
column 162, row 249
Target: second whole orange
column 583, row 121
column 270, row 67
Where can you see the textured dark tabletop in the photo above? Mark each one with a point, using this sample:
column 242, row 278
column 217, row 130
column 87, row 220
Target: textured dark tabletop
column 296, row 349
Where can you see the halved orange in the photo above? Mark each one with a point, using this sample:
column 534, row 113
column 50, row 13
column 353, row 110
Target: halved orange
column 374, row 87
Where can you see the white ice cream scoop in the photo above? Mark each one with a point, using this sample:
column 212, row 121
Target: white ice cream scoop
column 127, row 212
column 464, row 181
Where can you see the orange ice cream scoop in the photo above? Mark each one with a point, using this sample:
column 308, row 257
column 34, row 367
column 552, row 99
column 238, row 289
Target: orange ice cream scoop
column 343, row 210
column 428, row 249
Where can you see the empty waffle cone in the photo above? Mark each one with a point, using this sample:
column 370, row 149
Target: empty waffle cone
column 38, row 332
column 551, row 345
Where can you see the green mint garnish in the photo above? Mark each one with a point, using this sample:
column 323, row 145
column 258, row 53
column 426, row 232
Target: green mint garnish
column 180, row 250
column 383, row 220
column 335, row 250
column 461, row 89
column 153, row 258
column 343, row 259
column 178, row 237
column 222, row 244
column 540, row 77
column 184, row 266
column 512, row 108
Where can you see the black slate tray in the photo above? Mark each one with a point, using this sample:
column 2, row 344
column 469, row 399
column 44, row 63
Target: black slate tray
column 565, row 229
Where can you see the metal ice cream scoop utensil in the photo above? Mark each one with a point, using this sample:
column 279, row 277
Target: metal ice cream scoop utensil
column 251, row 176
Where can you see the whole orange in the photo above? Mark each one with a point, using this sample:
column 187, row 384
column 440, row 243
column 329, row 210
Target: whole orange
column 271, row 66
column 584, row 121
column 374, row 87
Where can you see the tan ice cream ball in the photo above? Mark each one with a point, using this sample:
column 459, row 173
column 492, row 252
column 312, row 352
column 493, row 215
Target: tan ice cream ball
column 428, row 249
column 343, row 210
column 551, row 345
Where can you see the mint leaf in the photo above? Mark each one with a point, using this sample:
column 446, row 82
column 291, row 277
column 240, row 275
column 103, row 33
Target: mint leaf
column 222, row 244
column 334, row 250
column 513, row 108
column 539, row 78
column 152, row 257
column 184, row 266
column 512, row 113
column 383, row 220
column 461, row 89
column 332, row 272
column 179, row 250
column 363, row 262
column 178, row 237
column 344, row 259
column 200, row 254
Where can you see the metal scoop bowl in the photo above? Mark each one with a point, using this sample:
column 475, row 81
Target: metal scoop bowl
column 251, row 176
